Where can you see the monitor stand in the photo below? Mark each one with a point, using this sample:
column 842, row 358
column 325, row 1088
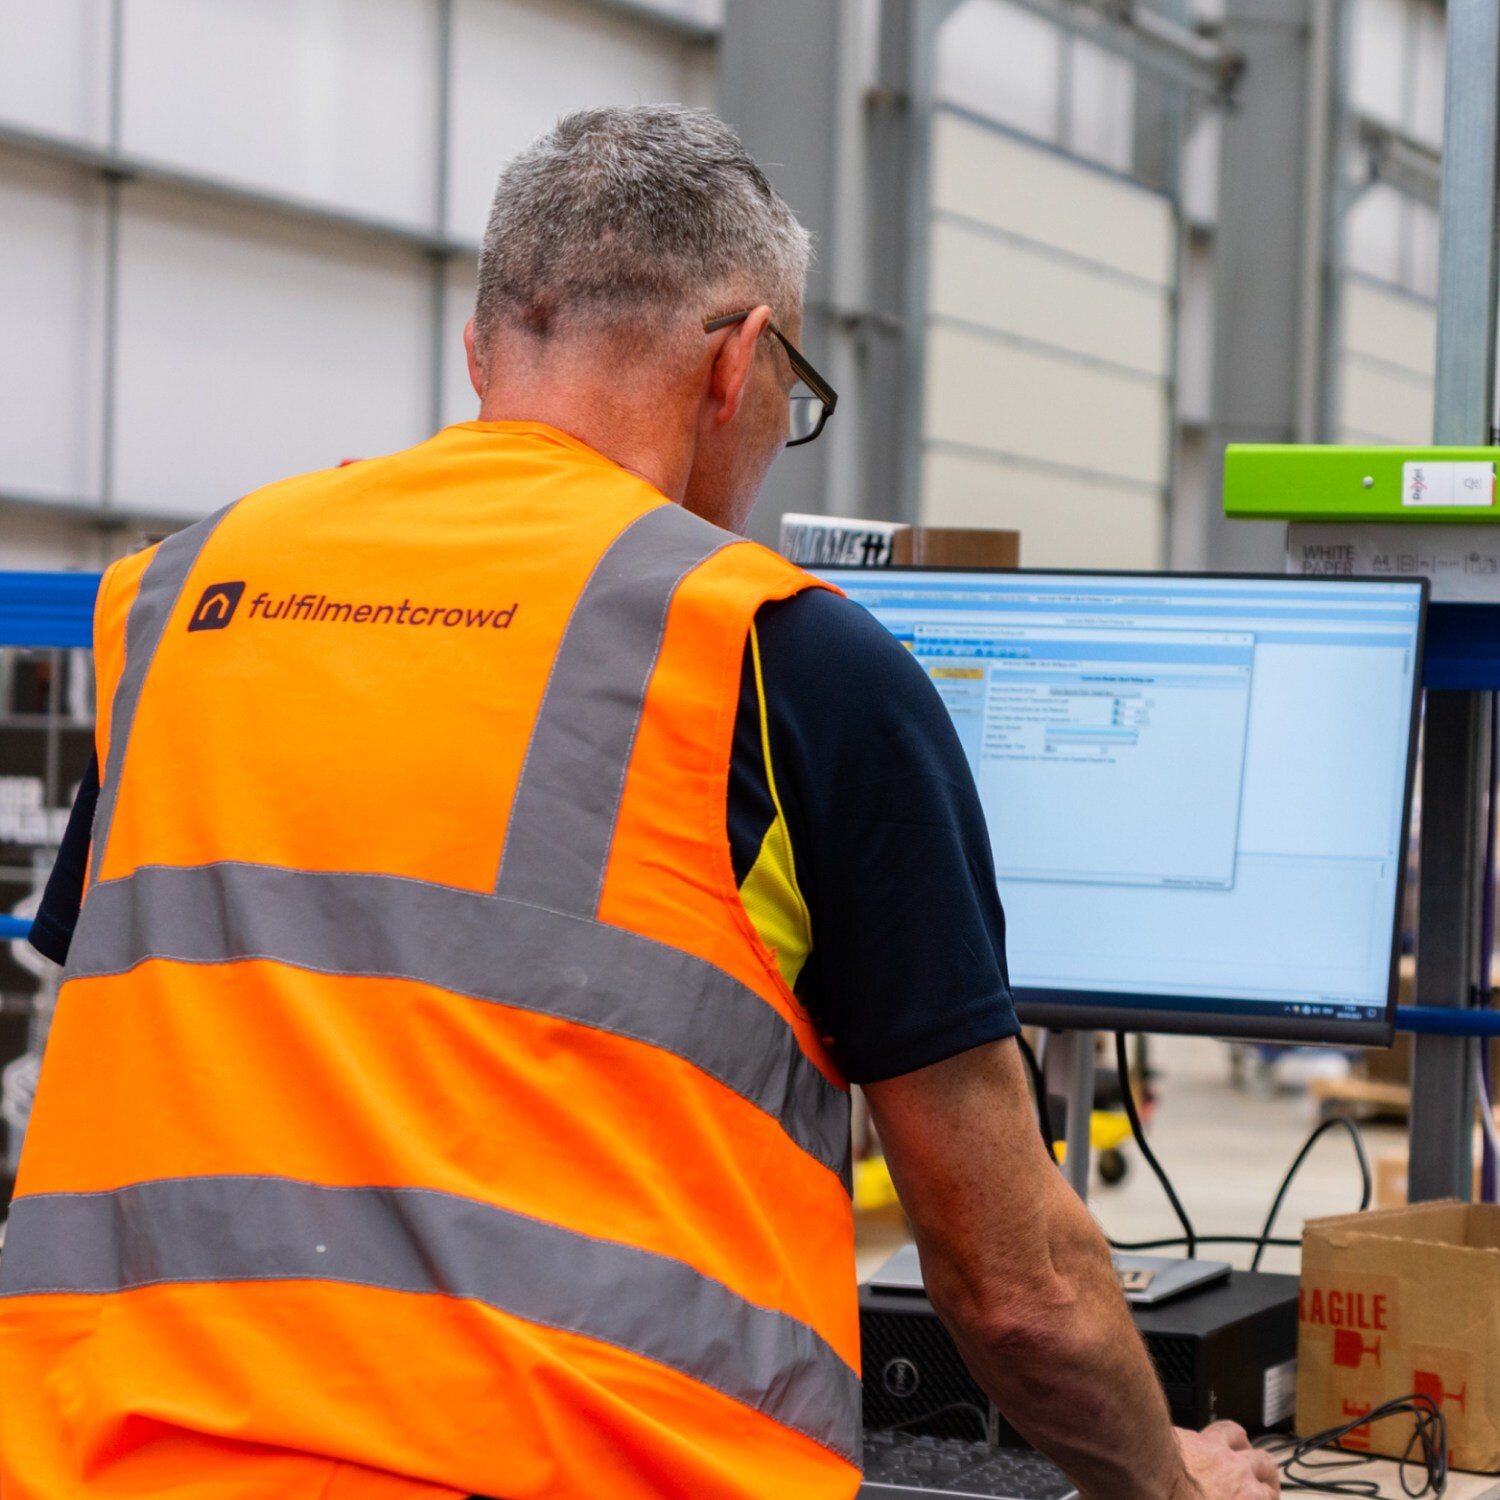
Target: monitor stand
column 1069, row 1074
column 1146, row 1280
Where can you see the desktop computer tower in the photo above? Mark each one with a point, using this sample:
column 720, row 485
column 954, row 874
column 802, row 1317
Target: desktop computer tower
column 1227, row 1352
column 913, row 1376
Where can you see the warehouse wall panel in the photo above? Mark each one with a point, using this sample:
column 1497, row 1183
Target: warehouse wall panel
column 1009, row 65
column 703, row 12
column 335, row 102
column 1392, row 238
column 1003, row 63
column 1397, row 76
column 519, row 64
column 1032, row 403
column 1040, row 195
column 1377, row 54
column 1101, row 88
column 1382, row 404
column 1050, row 347
column 1023, row 289
column 1382, row 324
column 250, row 347
column 1386, row 363
column 1065, row 520
column 1372, row 232
column 51, row 297
column 250, row 351
column 1428, row 72
column 1423, row 228
column 54, row 67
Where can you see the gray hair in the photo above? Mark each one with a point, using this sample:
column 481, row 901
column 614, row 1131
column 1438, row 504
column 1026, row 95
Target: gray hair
column 619, row 217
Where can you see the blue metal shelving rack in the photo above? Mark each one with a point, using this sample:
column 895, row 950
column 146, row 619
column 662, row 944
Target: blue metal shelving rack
column 1463, row 650
column 45, row 611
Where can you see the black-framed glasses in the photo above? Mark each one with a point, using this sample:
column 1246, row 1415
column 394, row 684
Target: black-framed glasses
column 812, row 398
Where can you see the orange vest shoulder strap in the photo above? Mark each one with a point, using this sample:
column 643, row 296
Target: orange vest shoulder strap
column 137, row 598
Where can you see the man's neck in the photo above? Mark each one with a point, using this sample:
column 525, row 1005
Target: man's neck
column 627, row 433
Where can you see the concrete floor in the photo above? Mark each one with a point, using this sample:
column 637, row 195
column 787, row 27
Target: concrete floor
column 1226, row 1149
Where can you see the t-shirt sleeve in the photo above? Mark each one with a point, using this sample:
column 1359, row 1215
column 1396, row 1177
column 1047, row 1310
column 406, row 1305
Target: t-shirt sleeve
column 892, row 853
column 52, row 927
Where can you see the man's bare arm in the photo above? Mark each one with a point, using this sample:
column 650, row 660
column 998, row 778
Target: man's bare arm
column 1021, row 1276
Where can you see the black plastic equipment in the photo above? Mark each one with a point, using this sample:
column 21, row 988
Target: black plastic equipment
column 898, row 1464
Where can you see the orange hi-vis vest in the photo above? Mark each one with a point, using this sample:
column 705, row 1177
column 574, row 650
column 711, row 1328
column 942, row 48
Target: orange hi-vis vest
column 423, row 1116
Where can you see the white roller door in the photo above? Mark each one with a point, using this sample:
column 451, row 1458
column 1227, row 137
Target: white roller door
column 1048, row 399
column 280, row 275
column 1387, row 349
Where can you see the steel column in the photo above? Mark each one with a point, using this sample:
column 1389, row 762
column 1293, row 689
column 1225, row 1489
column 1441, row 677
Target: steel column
column 778, row 65
column 109, row 359
column 1161, row 113
column 900, row 166
column 1465, row 394
column 1315, row 281
column 1456, row 741
column 1263, row 213
column 1070, row 1074
column 441, row 167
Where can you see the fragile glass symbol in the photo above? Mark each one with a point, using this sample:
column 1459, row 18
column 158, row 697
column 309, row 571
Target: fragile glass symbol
column 1426, row 1383
column 1349, row 1349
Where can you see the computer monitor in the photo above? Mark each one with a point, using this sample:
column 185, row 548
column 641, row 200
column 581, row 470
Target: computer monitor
column 1197, row 787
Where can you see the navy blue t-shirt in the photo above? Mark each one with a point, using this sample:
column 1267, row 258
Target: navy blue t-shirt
column 906, row 964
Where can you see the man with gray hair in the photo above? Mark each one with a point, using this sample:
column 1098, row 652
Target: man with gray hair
column 496, row 950
column 609, row 245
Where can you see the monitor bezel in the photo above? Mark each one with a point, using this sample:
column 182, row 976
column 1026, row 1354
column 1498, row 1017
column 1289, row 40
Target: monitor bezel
column 1118, row 1010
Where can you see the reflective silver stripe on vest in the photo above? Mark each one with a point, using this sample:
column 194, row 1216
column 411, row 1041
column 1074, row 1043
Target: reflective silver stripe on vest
column 228, row 1229
column 160, row 588
column 384, row 926
column 562, row 817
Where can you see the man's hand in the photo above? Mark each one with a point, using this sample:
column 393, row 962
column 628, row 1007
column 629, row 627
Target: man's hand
column 1225, row 1467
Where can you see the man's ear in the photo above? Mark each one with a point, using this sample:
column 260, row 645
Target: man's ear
column 476, row 375
column 734, row 362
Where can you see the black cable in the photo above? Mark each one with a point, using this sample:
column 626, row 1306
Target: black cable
column 1265, row 1240
column 1190, row 1238
column 1336, row 1122
column 1320, row 1454
column 1177, row 1241
column 1039, row 1088
column 1127, row 1094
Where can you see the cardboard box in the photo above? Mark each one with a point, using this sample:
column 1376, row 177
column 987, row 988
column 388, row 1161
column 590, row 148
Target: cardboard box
column 955, row 547
column 1391, row 1171
column 819, row 541
column 1400, row 1302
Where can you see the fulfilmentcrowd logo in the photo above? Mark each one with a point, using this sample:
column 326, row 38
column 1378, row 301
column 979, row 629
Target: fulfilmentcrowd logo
column 217, row 606
column 221, row 601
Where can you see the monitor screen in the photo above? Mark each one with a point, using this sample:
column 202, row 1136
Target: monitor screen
column 1196, row 788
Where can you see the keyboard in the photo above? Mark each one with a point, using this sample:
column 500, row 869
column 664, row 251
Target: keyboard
column 897, row 1464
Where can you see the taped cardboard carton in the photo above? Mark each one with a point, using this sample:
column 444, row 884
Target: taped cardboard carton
column 823, row 541
column 1401, row 1302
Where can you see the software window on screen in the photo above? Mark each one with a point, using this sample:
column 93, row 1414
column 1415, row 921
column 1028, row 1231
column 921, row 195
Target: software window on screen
column 1194, row 787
